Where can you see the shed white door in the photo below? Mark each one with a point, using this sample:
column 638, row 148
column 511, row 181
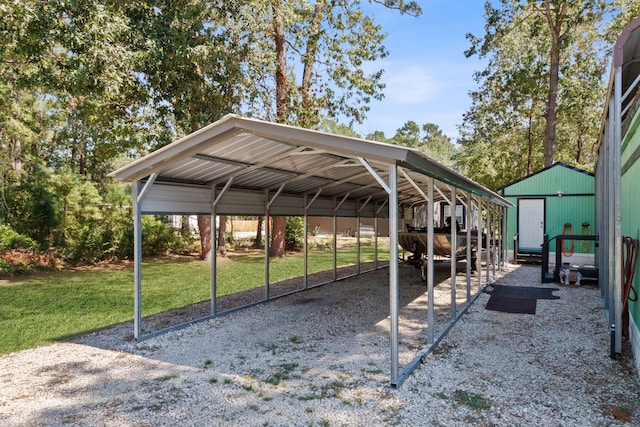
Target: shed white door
column 530, row 225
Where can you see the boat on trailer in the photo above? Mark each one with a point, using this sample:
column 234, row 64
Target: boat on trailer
column 415, row 241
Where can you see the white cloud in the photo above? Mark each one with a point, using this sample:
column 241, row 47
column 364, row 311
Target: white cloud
column 411, row 85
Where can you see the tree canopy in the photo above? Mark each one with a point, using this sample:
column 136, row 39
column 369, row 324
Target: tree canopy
column 87, row 85
column 540, row 96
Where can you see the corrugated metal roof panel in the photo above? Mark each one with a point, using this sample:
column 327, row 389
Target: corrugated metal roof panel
column 258, row 155
column 558, row 178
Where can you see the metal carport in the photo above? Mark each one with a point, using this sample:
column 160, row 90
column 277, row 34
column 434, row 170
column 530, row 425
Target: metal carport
column 241, row 166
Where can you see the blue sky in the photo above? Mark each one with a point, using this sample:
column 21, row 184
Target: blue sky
column 427, row 76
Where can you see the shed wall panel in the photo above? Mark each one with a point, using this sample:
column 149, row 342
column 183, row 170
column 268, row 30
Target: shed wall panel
column 630, row 199
column 570, row 198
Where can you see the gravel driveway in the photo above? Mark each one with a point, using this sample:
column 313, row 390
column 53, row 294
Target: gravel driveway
column 321, row 358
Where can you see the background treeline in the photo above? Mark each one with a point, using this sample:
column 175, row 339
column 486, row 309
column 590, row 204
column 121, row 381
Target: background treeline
column 86, row 86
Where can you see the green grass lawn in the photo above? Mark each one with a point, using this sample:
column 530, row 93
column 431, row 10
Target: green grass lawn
column 38, row 310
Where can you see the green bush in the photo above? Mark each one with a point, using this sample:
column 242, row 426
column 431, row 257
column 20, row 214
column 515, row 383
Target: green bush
column 6, row 269
column 80, row 236
column 157, row 237
column 31, row 206
column 294, row 232
column 160, row 238
column 11, row 239
column 117, row 224
column 85, row 221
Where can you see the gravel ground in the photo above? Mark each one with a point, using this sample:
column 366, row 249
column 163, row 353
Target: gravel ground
column 321, row 358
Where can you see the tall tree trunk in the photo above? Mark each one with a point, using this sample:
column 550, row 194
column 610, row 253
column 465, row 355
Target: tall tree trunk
column 204, row 227
column 204, row 221
column 15, row 150
column 310, row 117
column 222, row 235
column 184, row 225
column 579, row 142
column 554, row 16
column 15, row 145
column 282, row 89
column 257, row 243
column 552, row 108
column 529, row 142
column 277, row 248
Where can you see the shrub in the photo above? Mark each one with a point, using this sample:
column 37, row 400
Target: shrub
column 158, row 238
column 294, row 232
column 11, row 239
column 31, row 206
column 80, row 234
column 6, row 269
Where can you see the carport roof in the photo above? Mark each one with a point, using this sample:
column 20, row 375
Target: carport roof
column 252, row 154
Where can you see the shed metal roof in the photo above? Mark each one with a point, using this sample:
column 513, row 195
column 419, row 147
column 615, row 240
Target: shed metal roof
column 557, row 165
column 250, row 154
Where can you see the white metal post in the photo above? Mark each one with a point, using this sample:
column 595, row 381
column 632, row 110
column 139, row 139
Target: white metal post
column 137, row 260
column 494, row 248
column 214, row 254
column 505, row 236
column 394, row 277
column 431, row 334
column 480, row 242
column 468, row 228
column 488, row 227
column 305, row 281
column 358, row 242
column 454, row 250
column 375, row 237
column 616, row 170
column 267, row 244
column 335, row 239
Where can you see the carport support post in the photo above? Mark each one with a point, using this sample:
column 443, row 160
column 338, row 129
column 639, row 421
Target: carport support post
column 608, row 223
column 503, row 235
column 496, row 246
column 488, row 226
column 468, row 227
column 431, row 328
column 267, row 238
column 480, row 242
column 377, row 228
column 335, row 239
column 394, row 276
column 505, row 242
column 137, row 260
column 375, row 237
column 615, row 189
column 496, row 238
column 358, row 242
column 491, row 272
column 454, row 250
column 305, row 282
column 214, row 252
